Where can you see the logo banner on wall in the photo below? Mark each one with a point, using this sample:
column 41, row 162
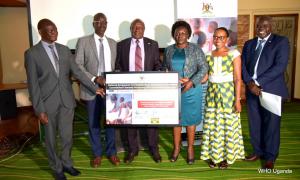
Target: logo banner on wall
column 204, row 16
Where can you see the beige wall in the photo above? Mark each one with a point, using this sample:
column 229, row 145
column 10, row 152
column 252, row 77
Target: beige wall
column 258, row 7
column 13, row 42
column 14, row 39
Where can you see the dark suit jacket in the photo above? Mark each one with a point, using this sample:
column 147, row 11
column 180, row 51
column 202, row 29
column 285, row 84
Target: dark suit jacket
column 47, row 91
column 272, row 64
column 152, row 61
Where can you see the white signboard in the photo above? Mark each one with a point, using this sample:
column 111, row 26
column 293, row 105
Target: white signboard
column 144, row 98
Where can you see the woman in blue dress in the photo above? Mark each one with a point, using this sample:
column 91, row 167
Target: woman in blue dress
column 189, row 61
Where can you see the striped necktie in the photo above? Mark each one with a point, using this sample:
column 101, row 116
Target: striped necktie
column 138, row 57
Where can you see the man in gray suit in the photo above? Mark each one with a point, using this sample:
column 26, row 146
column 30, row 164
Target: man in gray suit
column 48, row 67
column 96, row 54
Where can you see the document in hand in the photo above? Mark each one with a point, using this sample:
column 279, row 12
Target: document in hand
column 271, row 102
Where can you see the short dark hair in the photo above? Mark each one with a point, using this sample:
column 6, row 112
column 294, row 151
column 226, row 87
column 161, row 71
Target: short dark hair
column 265, row 18
column 181, row 23
column 44, row 22
column 136, row 21
column 223, row 29
column 98, row 16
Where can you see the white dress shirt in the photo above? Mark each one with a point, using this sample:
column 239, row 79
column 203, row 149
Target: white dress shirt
column 49, row 53
column 107, row 53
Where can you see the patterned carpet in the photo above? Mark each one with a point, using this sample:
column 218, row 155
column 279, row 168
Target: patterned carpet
column 30, row 162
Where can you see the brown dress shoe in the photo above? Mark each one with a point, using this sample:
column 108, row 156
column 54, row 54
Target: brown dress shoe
column 96, row 162
column 114, row 160
column 252, row 157
column 269, row 165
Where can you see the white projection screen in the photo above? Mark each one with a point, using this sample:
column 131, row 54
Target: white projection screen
column 73, row 18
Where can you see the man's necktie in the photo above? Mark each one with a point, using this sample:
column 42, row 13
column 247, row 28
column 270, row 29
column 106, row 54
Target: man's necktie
column 256, row 56
column 101, row 66
column 55, row 59
column 258, row 49
column 138, row 57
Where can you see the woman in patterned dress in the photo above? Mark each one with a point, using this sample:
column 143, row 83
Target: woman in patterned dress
column 222, row 133
column 189, row 61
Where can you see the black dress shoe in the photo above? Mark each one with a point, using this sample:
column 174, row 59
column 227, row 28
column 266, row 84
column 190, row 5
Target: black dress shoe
column 252, row 157
column 190, row 161
column 269, row 165
column 71, row 170
column 211, row 164
column 130, row 157
column 223, row 165
column 59, row 176
column 156, row 157
column 190, row 157
column 174, row 158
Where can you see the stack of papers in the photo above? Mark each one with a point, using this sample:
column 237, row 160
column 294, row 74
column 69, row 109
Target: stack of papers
column 271, row 102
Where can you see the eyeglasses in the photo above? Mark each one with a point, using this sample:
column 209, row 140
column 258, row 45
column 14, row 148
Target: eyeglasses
column 222, row 38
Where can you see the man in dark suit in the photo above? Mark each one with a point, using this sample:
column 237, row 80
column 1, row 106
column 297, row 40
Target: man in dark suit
column 139, row 53
column 94, row 61
column 264, row 61
column 48, row 67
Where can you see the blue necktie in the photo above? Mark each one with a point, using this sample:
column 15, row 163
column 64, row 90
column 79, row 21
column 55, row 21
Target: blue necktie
column 258, row 50
column 256, row 56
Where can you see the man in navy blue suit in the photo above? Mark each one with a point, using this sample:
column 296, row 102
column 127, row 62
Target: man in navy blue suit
column 139, row 53
column 264, row 61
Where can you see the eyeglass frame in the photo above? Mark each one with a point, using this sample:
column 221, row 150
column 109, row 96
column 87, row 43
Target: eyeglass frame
column 222, row 38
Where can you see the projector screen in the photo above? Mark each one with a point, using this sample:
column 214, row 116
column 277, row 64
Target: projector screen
column 73, row 18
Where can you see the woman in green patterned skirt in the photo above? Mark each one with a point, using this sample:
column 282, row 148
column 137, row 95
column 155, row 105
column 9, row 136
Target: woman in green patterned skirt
column 222, row 133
